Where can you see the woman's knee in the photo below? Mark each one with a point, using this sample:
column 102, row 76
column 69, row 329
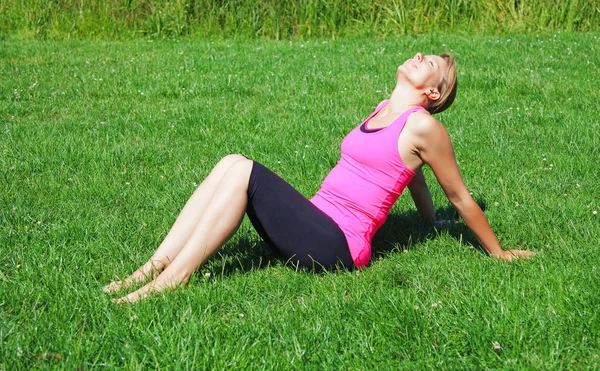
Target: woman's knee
column 229, row 160
column 233, row 158
column 241, row 169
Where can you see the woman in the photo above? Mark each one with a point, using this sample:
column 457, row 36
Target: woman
column 379, row 159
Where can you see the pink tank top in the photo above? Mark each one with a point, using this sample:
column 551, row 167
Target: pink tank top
column 361, row 189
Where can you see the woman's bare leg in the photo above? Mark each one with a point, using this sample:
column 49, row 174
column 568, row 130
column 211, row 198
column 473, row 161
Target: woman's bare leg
column 220, row 219
column 182, row 228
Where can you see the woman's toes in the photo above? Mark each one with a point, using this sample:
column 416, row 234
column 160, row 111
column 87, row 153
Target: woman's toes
column 112, row 287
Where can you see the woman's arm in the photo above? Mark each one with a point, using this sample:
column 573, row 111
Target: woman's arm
column 421, row 196
column 435, row 149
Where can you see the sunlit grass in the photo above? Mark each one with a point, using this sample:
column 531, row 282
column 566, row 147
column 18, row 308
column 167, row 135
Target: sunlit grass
column 102, row 143
column 275, row 19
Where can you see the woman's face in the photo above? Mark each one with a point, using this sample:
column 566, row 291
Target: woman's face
column 423, row 71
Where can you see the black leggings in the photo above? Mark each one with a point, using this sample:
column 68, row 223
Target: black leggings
column 299, row 231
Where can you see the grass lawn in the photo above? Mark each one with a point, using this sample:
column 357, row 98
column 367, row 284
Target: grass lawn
column 103, row 142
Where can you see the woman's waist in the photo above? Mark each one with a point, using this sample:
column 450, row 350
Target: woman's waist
column 350, row 216
column 362, row 199
column 358, row 227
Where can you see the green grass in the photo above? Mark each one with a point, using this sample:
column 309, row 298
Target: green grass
column 276, row 19
column 103, row 142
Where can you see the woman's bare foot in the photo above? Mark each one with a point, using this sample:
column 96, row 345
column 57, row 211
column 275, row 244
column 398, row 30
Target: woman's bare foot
column 133, row 297
column 149, row 270
column 164, row 281
column 115, row 286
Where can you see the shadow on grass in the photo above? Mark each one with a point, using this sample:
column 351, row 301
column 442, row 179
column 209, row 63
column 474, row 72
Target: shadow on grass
column 248, row 253
column 402, row 231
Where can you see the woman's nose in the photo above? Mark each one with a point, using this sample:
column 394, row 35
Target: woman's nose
column 419, row 57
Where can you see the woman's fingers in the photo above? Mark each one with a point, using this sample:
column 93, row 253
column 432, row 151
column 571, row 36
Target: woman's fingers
column 516, row 254
column 441, row 224
column 524, row 253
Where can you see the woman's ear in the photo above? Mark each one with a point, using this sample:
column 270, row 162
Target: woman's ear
column 432, row 94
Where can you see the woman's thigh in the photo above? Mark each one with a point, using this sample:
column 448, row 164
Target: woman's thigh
column 291, row 224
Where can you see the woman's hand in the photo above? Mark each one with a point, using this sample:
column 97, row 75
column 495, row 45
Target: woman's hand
column 443, row 224
column 515, row 254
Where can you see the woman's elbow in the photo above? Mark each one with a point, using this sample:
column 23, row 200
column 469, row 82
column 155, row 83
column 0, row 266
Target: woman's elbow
column 461, row 201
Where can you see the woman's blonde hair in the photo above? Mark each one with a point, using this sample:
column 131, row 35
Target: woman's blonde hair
column 447, row 87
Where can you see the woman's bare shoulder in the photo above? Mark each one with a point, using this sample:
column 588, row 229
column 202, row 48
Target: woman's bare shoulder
column 422, row 123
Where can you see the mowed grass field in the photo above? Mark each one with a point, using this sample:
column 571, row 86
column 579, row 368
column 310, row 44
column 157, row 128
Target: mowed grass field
column 103, row 142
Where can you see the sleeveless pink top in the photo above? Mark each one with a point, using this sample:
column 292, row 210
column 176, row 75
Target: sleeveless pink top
column 361, row 189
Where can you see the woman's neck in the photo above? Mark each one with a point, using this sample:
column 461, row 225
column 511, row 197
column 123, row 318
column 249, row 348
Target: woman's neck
column 403, row 99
